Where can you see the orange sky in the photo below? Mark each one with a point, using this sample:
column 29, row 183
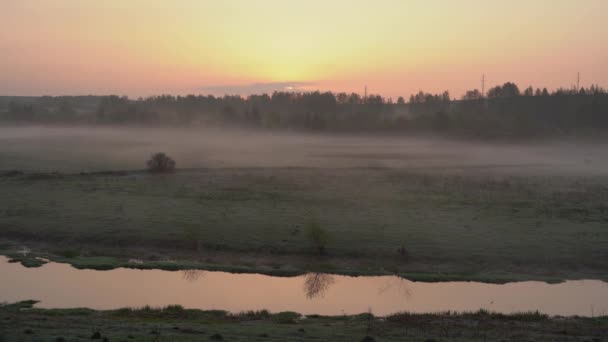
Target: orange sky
column 396, row 47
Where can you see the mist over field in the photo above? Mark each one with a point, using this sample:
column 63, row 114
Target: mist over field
column 85, row 149
column 314, row 170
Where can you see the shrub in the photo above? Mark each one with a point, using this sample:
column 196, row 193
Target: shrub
column 318, row 236
column 161, row 163
column 286, row 317
column 252, row 315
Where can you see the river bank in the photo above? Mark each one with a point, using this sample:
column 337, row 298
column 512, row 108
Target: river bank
column 22, row 322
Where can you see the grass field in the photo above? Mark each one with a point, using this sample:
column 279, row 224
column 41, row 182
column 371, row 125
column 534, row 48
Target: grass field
column 23, row 323
column 470, row 219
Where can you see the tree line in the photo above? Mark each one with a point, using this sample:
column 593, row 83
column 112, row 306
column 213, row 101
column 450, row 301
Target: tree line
column 505, row 111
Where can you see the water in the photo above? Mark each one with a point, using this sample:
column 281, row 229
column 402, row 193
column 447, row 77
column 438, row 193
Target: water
column 62, row 286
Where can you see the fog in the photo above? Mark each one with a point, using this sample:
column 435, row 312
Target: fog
column 76, row 149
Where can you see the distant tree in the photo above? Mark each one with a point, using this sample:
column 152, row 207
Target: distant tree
column 445, row 97
column 374, row 100
column 596, row 90
column 472, row 95
column 441, row 121
column 255, row 116
column 21, row 112
column 228, row 113
column 342, row 98
column 495, row 92
column 65, row 111
column 161, row 163
column 561, row 110
column 508, row 89
column 13, row 107
column 354, row 98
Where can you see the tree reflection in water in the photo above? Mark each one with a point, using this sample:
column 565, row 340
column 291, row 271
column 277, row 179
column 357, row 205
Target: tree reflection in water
column 316, row 284
column 192, row 275
column 401, row 285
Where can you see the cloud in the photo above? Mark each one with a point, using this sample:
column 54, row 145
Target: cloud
column 257, row 88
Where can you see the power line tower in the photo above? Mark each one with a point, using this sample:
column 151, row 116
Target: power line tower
column 483, row 92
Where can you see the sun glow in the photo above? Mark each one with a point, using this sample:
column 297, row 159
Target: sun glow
column 396, row 47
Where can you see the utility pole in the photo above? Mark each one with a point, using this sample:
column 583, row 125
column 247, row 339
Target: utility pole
column 578, row 81
column 483, row 92
column 365, row 97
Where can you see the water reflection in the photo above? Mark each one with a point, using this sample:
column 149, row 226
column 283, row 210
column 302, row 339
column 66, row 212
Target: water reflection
column 398, row 285
column 192, row 275
column 317, row 284
column 314, row 293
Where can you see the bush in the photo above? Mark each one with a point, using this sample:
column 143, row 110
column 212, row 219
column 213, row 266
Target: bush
column 318, row 236
column 161, row 163
column 286, row 317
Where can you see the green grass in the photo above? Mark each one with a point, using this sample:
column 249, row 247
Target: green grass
column 174, row 323
column 26, row 260
column 453, row 227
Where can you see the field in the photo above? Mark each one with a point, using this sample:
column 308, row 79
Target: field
column 23, row 323
column 243, row 201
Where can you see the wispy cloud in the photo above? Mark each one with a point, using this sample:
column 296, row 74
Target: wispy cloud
column 257, row 88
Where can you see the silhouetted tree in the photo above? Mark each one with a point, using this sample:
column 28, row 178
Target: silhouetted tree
column 506, row 90
column 472, row 95
column 161, row 163
column 503, row 113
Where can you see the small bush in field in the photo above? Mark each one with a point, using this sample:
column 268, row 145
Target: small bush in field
column 286, row 317
column 161, row 163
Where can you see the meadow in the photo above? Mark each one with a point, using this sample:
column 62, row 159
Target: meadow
column 427, row 209
column 175, row 323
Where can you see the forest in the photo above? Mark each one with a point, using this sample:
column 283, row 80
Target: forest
column 503, row 111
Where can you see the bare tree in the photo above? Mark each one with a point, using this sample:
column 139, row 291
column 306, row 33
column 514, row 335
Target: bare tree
column 316, row 284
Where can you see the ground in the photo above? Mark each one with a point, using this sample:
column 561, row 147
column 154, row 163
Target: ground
column 19, row 322
column 427, row 209
column 379, row 220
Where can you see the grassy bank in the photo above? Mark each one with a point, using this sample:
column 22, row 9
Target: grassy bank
column 423, row 225
column 174, row 323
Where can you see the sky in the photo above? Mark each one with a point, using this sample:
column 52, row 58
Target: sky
column 394, row 47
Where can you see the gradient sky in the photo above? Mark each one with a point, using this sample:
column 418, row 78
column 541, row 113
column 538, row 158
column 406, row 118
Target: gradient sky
column 395, row 47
